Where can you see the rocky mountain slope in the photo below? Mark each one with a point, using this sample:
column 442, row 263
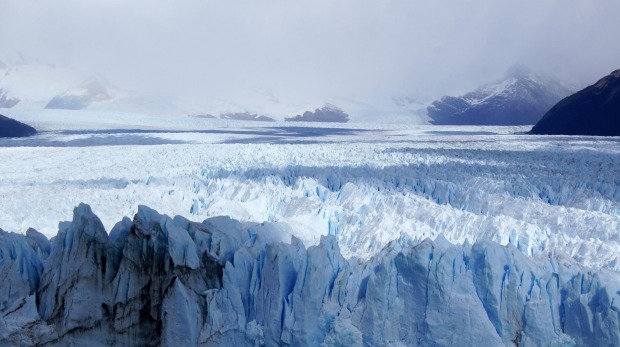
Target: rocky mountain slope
column 158, row 280
column 594, row 110
column 328, row 113
column 12, row 128
column 520, row 98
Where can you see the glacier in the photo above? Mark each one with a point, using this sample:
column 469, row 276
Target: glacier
column 291, row 234
column 157, row 280
column 364, row 184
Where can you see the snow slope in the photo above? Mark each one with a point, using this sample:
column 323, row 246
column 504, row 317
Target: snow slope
column 168, row 281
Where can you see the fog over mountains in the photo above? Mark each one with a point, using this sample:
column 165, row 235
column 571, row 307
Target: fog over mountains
column 521, row 97
column 280, row 59
column 309, row 173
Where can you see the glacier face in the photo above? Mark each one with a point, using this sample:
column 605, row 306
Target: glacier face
column 170, row 281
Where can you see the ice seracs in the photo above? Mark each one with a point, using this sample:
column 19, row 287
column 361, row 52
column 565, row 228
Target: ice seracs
column 365, row 186
column 168, row 281
column 20, row 268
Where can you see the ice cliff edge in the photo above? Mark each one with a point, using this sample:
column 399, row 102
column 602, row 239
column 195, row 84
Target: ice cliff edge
column 167, row 281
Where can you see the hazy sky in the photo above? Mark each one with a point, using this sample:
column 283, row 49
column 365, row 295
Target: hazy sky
column 319, row 48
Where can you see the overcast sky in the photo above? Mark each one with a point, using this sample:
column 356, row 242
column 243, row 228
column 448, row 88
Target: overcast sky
column 318, row 48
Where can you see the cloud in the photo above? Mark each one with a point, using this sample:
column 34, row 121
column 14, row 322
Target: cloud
column 315, row 49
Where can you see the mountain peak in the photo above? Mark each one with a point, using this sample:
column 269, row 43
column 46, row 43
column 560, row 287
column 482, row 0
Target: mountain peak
column 520, row 98
column 607, row 80
column 518, row 71
column 89, row 91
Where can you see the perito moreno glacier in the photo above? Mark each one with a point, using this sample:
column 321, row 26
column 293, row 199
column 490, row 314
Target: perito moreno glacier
column 161, row 280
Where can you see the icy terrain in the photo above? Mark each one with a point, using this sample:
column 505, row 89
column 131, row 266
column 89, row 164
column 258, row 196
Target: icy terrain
column 340, row 234
column 172, row 282
column 364, row 184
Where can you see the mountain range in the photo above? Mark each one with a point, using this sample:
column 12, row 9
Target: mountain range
column 32, row 85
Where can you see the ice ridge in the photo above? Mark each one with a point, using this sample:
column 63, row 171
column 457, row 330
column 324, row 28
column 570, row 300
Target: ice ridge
column 167, row 281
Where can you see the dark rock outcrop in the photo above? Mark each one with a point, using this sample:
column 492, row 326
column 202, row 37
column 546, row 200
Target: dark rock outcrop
column 11, row 128
column 521, row 98
column 594, row 110
column 328, row 113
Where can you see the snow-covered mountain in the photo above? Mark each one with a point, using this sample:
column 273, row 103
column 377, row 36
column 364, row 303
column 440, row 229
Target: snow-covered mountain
column 29, row 84
column 90, row 91
column 520, row 98
column 167, row 281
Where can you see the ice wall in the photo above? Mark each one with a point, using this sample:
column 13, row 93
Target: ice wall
column 167, row 281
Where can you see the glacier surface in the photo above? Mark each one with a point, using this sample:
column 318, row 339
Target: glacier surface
column 329, row 234
column 156, row 280
column 364, row 184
